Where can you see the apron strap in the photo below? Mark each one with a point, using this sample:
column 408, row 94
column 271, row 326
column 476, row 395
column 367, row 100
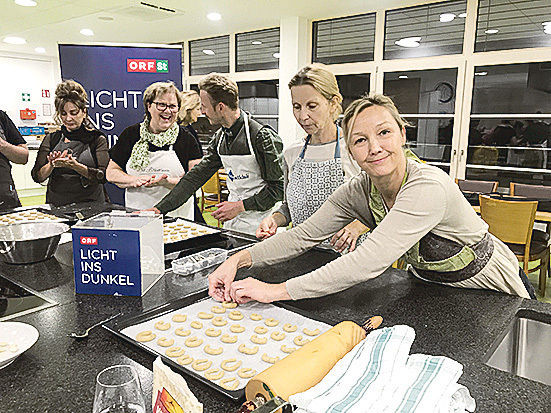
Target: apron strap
column 337, row 153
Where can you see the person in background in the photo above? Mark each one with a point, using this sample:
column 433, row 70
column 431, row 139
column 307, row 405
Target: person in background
column 150, row 157
column 317, row 166
column 13, row 148
column 415, row 209
column 248, row 151
column 74, row 158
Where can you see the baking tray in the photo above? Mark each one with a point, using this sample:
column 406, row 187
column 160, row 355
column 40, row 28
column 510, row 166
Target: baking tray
column 57, row 214
column 195, row 242
column 118, row 324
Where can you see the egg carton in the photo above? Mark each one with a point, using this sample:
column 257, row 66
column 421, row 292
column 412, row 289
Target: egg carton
column 196, row 262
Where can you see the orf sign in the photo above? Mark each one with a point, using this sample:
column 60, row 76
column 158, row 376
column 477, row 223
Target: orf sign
column 146, row 66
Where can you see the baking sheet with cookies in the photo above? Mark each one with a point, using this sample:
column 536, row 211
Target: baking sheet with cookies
column 181, row 230
column 227, row 346
column 27, row 215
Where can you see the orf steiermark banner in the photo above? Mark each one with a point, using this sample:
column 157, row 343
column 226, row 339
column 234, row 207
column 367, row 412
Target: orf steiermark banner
column 114, row 78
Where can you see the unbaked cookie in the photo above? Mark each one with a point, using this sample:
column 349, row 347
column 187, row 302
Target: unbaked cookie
column 277, row 335
column 219, row 321
column 229, row 304
column 255, row 317
column 271, row 322
column 213, row 351
column 213, row 332
column 218, row 310
column 248, row 350
column 179, row 318
column 196, row 324
column 145, row 336
column 176, row 351
column 226, row 338
column 235, row 315
column 161, row 325
column 214, row 374
column 201, row 364
column 246, row 373
column 260, row 330
column 290, row 328
column 184, row 360
column 165, row 342
column 268, row 359
column 300, row 341
column 194, row 342
column 181, row 332
column 230, row 364
column 236, row 328
column 205, row 316
column 311, row 333
column 258, row 340
column 288, row 350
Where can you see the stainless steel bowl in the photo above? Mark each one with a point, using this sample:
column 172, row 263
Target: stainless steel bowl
column 30, row 242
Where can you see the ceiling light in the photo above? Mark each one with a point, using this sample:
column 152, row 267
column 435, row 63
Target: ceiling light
column 214, row 16
column 87, row 32
column 491, row 31
column 480, row 73
column 106, row 18
column 208, row 51
column 26, row 3
column 547, row 29
column 462, row 15
column 256, row 42
column 408, row 42
column 276, row 55
column 402, row 77
column 447, row 17
column 39, row 50
column 14, row 40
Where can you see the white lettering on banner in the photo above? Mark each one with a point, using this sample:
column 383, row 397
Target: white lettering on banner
column 109, row 279
column 102, row 120
column 108, row 255
column 99, row 102
column 108, row 98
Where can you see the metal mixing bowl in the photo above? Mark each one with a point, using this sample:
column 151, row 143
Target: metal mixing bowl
column 30, row 242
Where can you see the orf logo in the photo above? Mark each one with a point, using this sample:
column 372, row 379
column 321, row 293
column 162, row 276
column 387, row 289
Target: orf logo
column 146, row 66
column 89, row 240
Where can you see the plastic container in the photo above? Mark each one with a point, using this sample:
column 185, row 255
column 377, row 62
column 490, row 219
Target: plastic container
column 196, row 262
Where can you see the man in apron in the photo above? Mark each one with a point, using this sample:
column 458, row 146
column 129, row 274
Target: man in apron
column 13, row 148
column 248, row 151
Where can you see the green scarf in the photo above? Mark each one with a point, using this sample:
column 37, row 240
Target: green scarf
column 139, row 158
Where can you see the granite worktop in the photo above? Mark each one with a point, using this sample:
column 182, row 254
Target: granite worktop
column 58, row 373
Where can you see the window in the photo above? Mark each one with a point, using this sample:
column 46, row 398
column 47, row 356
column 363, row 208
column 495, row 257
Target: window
column 512, row 24
column 352, row 87
column 431, row 30
column 510, row 129
column 257, row 50
column 260, row 99
column 209, row 55
column 426, row 99
column 344, row 40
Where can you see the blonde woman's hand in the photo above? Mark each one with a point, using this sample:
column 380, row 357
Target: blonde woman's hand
column 157, row 180
column 267, row 228
column 138, row 180
column 348, row 236
column 251, row 289
column 221, row 279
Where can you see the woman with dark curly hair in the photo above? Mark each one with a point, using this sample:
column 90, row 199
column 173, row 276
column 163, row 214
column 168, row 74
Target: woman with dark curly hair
column 74, row 158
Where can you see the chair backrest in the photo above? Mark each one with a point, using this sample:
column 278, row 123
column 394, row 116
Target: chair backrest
column 510, row 221
column 530, row 191
column 483, row 187
column 212, row 186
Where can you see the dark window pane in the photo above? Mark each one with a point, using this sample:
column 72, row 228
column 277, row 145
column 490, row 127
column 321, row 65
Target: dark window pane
column 260, row 98
column 506, row 24
column 431, row 30
column 430, row 139
column 344, row 40
column 209, row 55
column 504, row 177
column 352, row 87
column 422, row 91
column 257, row 50
column 514, row 88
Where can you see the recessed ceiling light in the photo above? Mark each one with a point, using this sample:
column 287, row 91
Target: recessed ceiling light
column 39, row 50
column 402, row 77
column 214, row 16
column 408, row 42
column 491, row 31
column 14, row 40
column 87, row 32
column 462, row 15
column 547, row 29
column 208, row 51
column 106, row 18
column 480, row 73
column 256, row 42
column 447, row 17
column 276, row 55
column 26, row 3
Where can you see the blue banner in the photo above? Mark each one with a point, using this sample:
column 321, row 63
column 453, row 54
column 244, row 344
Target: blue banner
column 115, row 78
column 107, row 262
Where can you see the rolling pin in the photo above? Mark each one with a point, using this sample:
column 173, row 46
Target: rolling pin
column 308, row 365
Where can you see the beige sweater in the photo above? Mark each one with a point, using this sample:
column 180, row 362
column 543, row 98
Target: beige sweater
column 428, row 201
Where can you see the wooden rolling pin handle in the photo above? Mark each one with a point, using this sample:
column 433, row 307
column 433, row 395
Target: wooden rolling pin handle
column 372, row 323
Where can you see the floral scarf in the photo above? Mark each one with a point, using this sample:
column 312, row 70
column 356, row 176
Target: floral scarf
column 139, row 158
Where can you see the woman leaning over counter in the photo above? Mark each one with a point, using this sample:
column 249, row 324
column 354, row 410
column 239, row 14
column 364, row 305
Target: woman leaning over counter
column 316, row 167
column 75, row 157
column 416, row 211
column 149, row 158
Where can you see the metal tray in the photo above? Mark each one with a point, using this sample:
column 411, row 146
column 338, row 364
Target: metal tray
column 118, row 324
column 57, row 214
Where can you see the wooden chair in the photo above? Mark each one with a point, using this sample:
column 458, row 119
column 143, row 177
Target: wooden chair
column 483, row 187
column 512, row 222
column 211, row 193
column 535, row 192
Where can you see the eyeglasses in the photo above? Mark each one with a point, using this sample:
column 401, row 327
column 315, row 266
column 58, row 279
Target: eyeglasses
column 161, row 106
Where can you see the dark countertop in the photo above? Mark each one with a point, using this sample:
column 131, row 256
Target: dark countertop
column 58, row 373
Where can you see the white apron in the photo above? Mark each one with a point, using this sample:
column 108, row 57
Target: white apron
column 160, row 162
column 244, row 180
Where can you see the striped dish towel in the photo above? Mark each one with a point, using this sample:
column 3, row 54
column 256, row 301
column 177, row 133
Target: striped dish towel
column 378, row 376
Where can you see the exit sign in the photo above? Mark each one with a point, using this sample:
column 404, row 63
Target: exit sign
column 146, row 66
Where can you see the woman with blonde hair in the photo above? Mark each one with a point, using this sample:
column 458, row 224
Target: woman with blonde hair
column 316, row 167
column 150, row 157
column 74, row 158
column 415, row 210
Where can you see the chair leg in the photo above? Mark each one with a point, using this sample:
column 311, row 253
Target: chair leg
column 543, row 275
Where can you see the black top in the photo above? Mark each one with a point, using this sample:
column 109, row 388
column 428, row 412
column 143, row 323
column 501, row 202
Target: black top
column 10, row 133
column 187, row 148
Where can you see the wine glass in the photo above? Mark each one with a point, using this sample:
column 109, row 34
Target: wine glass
column 118, row 390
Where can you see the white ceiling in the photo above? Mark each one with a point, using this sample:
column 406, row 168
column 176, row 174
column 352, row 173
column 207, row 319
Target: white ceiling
column 60, row 21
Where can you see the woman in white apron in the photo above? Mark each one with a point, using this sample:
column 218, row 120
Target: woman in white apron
column 315, row 168
column 149, row 158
